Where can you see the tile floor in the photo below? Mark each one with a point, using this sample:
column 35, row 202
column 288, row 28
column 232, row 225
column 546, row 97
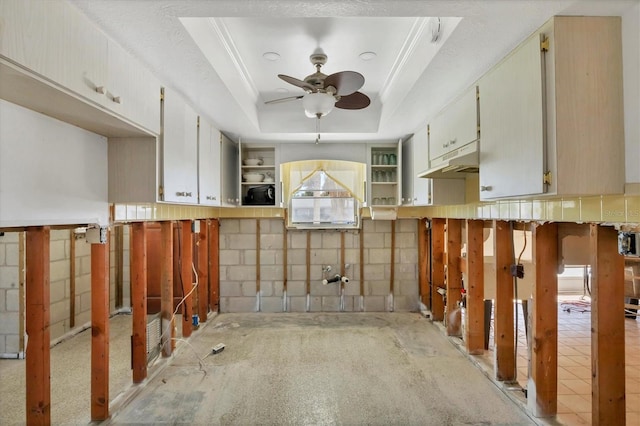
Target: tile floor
column 574, row 362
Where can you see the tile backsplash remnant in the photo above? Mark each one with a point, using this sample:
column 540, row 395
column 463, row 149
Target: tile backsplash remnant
column 308, row 253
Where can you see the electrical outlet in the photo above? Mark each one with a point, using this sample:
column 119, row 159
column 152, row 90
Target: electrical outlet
column 517, row 270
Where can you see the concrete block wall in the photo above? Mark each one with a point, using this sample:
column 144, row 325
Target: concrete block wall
column 60, row 286
column 9, row 293
column 239, row 266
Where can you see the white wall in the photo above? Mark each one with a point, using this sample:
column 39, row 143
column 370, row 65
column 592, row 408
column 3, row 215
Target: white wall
column 51, row 173
column 631, row 78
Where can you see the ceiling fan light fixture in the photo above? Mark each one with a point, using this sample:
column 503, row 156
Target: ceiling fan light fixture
column 367, row 56
column 318, row 104
column 271, row 56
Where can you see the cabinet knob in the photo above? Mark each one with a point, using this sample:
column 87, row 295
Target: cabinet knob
column 211, row 197
column 485, row 188
column 453, row 141
column 117, row 99
column 101, row 90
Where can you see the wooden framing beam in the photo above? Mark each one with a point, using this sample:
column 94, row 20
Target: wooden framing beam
column 38, row 360
column 504, row 333
column 361, row 260
column 607, row 328
column 139, row 301
column 166, row 288
column 392, row 266
column 119, row 266
column 186, row 276
column 72, row 279
column 203, row 270
column 424, row 255
column 542, row 388
column 437, row 267
column 454, row 273
column 100, row 331
column 258, row 278
column 214, row 264
column 474, row 330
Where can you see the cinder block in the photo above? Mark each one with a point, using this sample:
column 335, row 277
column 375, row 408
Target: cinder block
column 3, row 300
column 318, row 289
column 325, row 256
column 382, row 226
column 12, row 344
column 83, row 248
column 297, row 304
column 350, row 304
column 268, row 257
column 376, row 288
column 8, row 277
column 298, row 272
column 271, row 288
column 316, row 240
column 229, row 226
column 9, row 323
column 85, row 265
column 352, row 288
column 315, row 304
column 249, row 288
column 59, row 270
column 12, row 300
column 297, row 240
column 240, row 272
column 59, row 311
column 297, row 257
column 375, row 272
column 379, row 256
column 58, row 290
column 271, row 304
column 58, row 234
column 57, row 330
column 330, row 240
column 408, row 271
column 351, row 240
column 375, row 304
column 296, row 288
column 242, row 242
column 271, row 241
column 230, row 289
column 406, row 240
column 83, row 284
column 57, row 250
column 409, row 255
column 408, row 225
column 373, row 240
column 12, row 255
column 249, row 226
column 3, row 251
column 85, row 303
column 10, row 237
column 331, row 303
column 248, row 257
column 272, row 272
column 229, row 257
column 367, row 226
column 83, row 318
column 275, row 226
column 405, row 303
column 239, row 304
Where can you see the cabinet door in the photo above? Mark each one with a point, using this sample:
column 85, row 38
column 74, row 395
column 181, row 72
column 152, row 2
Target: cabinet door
column 179, row 150
column 132, row 91
column 229, row 172
column 419, row 159
column 56, row 41
column 208, row 164
column 512, row 157
column 455, row 126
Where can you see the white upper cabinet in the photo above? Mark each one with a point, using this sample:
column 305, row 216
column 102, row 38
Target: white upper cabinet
column 552, row 115
column 384, row 163
column 179, row 140
column 229, row 172
column 131, row 90
column 455, row 126
column 209, row 172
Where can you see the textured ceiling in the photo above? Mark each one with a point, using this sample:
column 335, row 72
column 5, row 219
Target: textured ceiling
column 224, row 76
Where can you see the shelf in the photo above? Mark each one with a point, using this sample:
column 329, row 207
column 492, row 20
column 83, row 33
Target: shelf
column 384, row 183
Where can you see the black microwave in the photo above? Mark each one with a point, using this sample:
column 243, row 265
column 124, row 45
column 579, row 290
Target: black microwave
column 263, row 195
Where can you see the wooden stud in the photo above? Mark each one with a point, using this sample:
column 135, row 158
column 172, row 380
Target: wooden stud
column 37, row 291
column 504, row 334
column 308, row 269
column 285, row 266
column 258, row 278
column 119, row 266
column 607, row 328
column 139, row 301
column 392, row 265
column 100, row 331
column 542, row 388
column 72, row 279
column 437, row 268
column 361, row 257
column 342, row 270
column 166, row 288
column 214, row 265
column 454, row 274
column 424, row 254
column 203, row 270
column 474, row 330
column 21, row 289
column 186, row 276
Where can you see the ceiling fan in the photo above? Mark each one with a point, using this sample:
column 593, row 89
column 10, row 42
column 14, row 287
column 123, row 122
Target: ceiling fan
column 324, row 92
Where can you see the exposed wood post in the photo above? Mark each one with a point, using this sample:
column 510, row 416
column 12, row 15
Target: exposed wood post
column 258, row 278
column 203, row 270
column 504, row 333
column 392, row 265
column 424, row 255
column 37, row 289
column 166, row 288
column 361, row 260
column 186, row 275
column 607, row 328
column 100, row 331
column 72, row 279
column 119, row 258
column 437, row 268
column 285, row 263
column 453, row 256
column 542, row 387
column 214, row 264
column 139, row 300
column 342, row 270
column 474, row 334
column 21, row 289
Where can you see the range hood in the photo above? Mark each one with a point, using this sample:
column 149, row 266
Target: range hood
column 455, row 164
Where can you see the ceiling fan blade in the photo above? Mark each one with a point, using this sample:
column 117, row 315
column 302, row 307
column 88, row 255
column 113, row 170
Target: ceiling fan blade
column 345, row 82
column 357, row 100
column 296, row 82
column 287, row 99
